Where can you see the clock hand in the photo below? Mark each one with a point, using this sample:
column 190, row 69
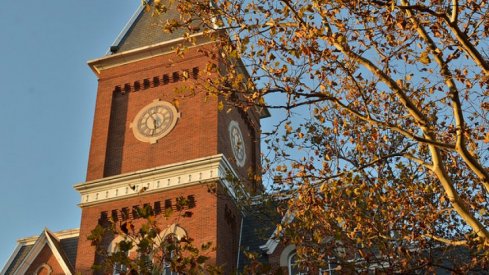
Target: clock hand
column 155, row 121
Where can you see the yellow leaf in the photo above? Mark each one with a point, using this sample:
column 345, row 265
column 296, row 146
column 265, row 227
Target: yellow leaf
column 424, row 58
column 288, row 128
column 220, row 106
column 185, row 74
column 486, row 138
column 176, row 102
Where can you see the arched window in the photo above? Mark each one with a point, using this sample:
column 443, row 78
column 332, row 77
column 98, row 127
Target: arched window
column 169, row 240
column 44, row 269
column 292, row 265
column 114, row 247
column 160, row 259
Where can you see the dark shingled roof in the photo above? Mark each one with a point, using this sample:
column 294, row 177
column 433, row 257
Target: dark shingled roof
column 258, row 226
column 147, row 30
column 23, row 251
column 69, row 246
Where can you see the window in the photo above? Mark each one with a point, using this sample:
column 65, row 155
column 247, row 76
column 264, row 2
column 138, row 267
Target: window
column 171, row 236
column 289, row 260
column 170, row 255
column 119, row 268
column 292, row 265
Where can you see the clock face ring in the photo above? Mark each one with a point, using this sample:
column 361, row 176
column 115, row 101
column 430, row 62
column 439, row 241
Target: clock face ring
column 154, row 121
column 237, row 143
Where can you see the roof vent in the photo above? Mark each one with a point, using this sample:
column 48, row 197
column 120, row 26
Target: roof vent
column 114, row 49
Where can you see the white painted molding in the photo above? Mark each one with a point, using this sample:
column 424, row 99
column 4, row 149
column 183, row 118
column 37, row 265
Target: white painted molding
column 56, row 252
column 163, row 48
column 272, row 242
column 285, row 255
column 198, row 171
column 63, row 234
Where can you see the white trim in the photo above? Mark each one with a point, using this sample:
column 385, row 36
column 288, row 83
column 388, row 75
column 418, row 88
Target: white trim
column 146, row 52
column 57, row 253
column 172, row 176
column 287, row 252
column 63, row 234
column 272, row 242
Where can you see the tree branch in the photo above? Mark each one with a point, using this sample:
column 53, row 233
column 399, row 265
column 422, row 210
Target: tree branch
column 439, row 169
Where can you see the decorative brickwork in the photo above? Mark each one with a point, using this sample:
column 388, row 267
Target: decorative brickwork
column 156, row 81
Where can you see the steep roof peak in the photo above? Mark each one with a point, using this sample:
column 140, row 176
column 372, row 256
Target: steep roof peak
column 146, row 28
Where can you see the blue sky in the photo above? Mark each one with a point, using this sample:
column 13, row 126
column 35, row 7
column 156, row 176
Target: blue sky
column 47, row 98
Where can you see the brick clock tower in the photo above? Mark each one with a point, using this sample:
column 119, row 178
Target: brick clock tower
column 144, row 139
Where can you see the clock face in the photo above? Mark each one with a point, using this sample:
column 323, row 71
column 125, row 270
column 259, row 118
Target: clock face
column 154, row 121
column 237, row 143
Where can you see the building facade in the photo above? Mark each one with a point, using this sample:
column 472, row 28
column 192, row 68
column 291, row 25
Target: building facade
column 158, row 136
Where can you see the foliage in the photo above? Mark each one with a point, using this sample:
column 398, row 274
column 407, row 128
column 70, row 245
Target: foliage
column 146, row 248
column 382, row 134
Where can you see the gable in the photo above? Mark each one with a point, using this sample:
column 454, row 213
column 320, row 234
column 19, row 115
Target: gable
column 50, row 253
column 45, row 260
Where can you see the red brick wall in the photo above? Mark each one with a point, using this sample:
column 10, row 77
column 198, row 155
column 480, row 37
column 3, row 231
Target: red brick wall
column 229, row 221
column 201, row 226
column 115, row 150
column 249, row 125
column 45, row 257
column 201, row 131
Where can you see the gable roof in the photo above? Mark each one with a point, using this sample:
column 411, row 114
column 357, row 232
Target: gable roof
column 63, row 245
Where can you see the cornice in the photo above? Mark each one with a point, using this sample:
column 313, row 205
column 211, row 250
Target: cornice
column 126, row 57
column 63, row 234
column 183, row 174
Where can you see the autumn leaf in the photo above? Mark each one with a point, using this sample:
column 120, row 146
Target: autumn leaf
column 424, row 58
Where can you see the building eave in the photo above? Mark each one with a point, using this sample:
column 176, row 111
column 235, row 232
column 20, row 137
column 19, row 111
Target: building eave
column 146, row 52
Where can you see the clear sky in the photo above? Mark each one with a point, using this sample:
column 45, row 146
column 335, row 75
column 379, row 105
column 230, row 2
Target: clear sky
column 47, row 98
